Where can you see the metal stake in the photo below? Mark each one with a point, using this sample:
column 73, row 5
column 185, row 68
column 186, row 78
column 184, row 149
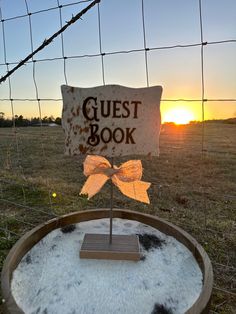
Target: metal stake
column 111, row 203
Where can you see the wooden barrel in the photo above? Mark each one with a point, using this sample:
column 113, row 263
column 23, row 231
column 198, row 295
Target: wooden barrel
column 25, row 243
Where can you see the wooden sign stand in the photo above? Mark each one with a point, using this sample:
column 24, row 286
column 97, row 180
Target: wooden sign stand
column 112, row 120
column 122, row 247
column 114, row 247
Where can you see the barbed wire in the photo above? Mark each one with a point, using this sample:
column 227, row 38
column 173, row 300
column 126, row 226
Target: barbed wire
column 109, row 53
column 8, row 231
column 30, row 59
column 100, row 45
column 203, row 44
column 12, row 106
column 44, row 10
column 163, row 100
column 145, row 45
column 49, row 40
column 28, row 207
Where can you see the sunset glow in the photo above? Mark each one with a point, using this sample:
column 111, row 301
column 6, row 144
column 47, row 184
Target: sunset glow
column 178, row 116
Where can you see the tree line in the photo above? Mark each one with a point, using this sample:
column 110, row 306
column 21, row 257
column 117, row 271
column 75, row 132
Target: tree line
column 20, row 121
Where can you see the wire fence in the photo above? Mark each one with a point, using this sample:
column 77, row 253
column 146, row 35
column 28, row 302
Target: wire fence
column 27, row 184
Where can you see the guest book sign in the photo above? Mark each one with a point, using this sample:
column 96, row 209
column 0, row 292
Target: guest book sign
column 111, row 120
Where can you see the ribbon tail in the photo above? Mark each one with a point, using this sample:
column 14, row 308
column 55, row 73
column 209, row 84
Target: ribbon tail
column 136, row 189
column 93, row 184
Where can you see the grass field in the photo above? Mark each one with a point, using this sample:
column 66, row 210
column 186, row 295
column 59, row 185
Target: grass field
column 191, row 188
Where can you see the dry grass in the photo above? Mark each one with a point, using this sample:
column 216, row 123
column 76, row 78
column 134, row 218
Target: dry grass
column 193, row 190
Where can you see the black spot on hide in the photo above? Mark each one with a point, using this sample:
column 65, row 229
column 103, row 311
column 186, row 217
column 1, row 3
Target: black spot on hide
column 68, row 229
column 150, row 241
column 161, row 309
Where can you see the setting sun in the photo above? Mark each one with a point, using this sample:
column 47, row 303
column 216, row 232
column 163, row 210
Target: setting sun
column 178, row 116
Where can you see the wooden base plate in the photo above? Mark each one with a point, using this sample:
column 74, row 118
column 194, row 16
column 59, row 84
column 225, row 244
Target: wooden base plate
column 123, row 247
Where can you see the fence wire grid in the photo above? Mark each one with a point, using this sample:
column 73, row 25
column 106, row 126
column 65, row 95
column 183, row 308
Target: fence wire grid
column 187, row 180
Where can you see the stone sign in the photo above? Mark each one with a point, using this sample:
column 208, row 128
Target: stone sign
column 111, row 120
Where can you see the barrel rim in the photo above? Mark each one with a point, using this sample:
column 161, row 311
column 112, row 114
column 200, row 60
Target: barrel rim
column 27, row 241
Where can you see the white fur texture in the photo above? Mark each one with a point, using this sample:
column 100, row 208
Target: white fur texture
column 52, row 278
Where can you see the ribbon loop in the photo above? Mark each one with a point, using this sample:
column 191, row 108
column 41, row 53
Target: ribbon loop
column 130, row 171
column 95, row 165
column 126, row 177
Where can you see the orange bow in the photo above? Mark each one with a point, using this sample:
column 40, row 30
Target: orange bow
column 126, row 177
